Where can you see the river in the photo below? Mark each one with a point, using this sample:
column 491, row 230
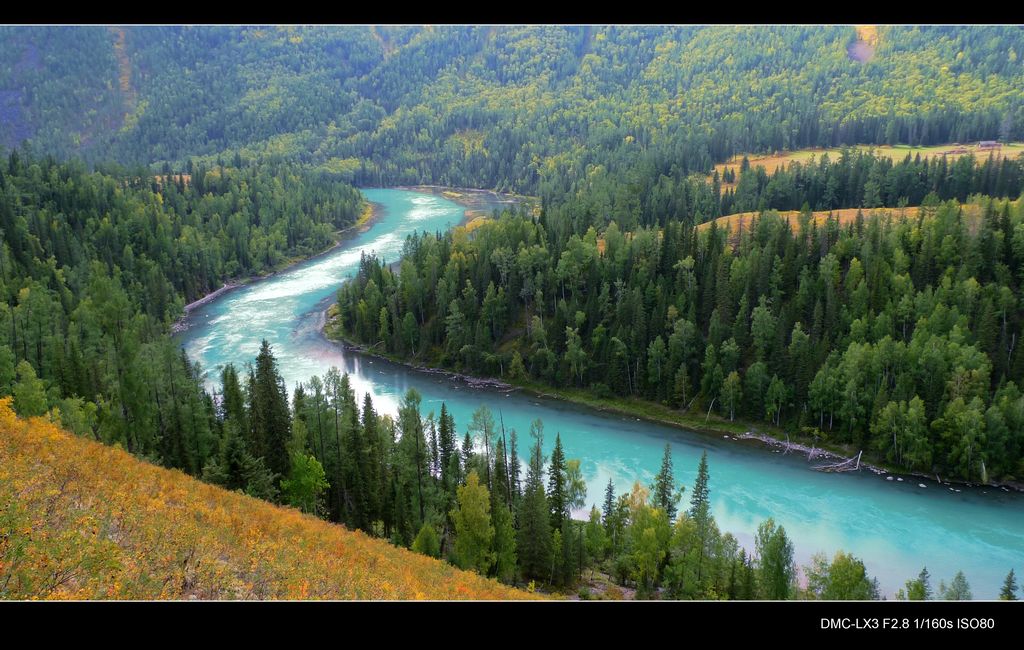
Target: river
column 895, row 527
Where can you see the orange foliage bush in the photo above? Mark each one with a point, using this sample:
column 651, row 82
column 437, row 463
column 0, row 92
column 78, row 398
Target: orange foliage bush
column 82, row 520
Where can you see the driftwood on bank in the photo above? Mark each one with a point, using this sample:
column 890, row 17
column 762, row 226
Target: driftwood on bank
column 851, row 464
column 836, row 463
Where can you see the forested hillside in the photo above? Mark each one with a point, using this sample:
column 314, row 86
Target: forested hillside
column 898, row 336
column 94, row 267
column 524, row 108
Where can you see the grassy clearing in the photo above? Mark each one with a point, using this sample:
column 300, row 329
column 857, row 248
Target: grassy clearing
column 772, row 162
column 740, row 221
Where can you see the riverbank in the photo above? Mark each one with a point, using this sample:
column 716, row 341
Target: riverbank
column 370, row 214
column 740, row 431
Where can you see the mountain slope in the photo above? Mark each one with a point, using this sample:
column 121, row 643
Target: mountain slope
column 79, row 519
column 401, row 105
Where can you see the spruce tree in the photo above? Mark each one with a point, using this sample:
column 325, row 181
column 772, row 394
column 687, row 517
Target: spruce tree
column 699, row 505
column 500, row 475
column 513, row 469
column 557, row 497
column 414, row 455
column 270, row 413
column 920, row 589
column 374, row 476
column 663, row 491
column 445, row 444
column 504, row 542
column 609, row 503
column 232, row 399
column 700, row 511
column 533, row 540
column 1009, row 590
column 354, row 471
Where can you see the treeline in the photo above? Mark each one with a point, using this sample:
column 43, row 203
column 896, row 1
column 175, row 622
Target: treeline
column 94, row 267
column 508, row 107
column 896, row 336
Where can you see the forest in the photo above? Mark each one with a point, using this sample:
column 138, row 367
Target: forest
column 95, row 266
column 518, row 108
column 896, row 336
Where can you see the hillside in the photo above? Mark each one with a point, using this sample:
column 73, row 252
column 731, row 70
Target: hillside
column 81, row 520
column 512, row 106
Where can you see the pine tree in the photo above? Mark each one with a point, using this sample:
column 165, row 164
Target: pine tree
column 467, row 452
column 609, row 503
column 533, row 540
column 374, row 477
column 1009, row 590
column 269, row 409
column 663, row 491
column 919, row 589
column 504, row 542
column 414, row 455
column 700, row 510
column 233, row 400
column 699, row 504
column 236, row 469
column 513, row 469
column 445, row 441
column 557, row 496
column 354, row 469
column 500, row 475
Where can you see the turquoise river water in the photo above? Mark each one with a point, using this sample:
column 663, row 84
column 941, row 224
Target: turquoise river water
column 895, row 527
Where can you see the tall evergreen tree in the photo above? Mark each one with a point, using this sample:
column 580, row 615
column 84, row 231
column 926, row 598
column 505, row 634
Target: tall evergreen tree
column 533, row 540
column 663, row 491
column 414, row 455
column 505, row 566
column 270, row 413
column 557, row 489
column 1009, row 590
column 514, row 469
column 700, row 511
column 609, row 502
